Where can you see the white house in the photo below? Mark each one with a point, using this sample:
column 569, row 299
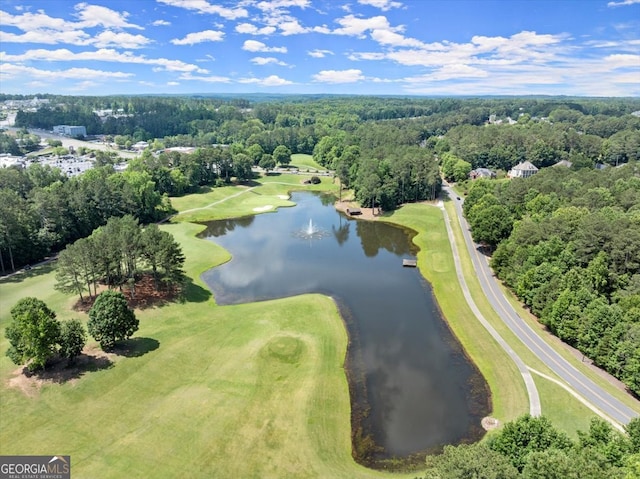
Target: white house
column 523, row 170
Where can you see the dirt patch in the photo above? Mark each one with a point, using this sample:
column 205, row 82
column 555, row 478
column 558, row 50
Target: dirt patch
column 59, row 371
column 366, row 213
column 489, row 423
column 145, row 295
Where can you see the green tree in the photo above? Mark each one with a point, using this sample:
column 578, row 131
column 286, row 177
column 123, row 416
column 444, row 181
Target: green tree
column 282, row 155
column 73, row 337
column 111, row 319
column 267, row 162
column 33, row 333
column 490, row 224
column 474, row 461
column 525, row 435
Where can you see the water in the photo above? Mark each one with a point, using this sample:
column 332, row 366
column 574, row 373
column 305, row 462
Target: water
column 408, row 372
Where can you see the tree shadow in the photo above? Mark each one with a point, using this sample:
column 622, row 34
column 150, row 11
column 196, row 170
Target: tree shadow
column 135, row 347
column 61, row 370
column 194, row 293
column 22, row 274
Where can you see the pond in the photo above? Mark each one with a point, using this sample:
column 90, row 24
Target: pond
column 412, row 387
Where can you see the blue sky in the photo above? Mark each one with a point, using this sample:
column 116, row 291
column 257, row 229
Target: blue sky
column 397, row 47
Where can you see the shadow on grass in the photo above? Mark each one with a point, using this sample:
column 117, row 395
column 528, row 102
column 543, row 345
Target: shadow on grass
column 61, row 370
column 22, row 274
column 194, row 293
column 135, row 347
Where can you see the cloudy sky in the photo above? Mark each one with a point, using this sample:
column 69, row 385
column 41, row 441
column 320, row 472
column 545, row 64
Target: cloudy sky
column 403, row 47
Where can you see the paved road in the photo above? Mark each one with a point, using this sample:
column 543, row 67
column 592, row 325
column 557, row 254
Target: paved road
column 535, row 408
column 582, row 385
column 66, row 142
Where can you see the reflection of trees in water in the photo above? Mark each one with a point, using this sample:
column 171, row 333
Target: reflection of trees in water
column 221, row 227
column 375, row 235
column 341, row 233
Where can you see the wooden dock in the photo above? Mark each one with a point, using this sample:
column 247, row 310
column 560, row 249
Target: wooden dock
column 409, row 263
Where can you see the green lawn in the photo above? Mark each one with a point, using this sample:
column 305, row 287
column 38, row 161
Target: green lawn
column 305, row 162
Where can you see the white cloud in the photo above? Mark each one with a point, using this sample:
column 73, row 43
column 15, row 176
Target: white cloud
column 250, row 29
column 272, row 5
column 199, row 37
column 267, row 61
column 383, row 5
column 104, row 55
column 255, row 46
column 449, row 72
column 36, row 21
column 354, row 26
column 95, row 15
column 338, row 76
column 357, row 56
column 272, row 80
column 47, row 37
column 119, row 39
column 389, row 37
column 161, row 23
column 292, row 27
column 622, row 3
column 203, row 6
column 319, row 53
column 20, row 71
column 173, row 83
column 208, row 79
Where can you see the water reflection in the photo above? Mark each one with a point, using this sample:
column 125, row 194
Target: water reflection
column 409, row 378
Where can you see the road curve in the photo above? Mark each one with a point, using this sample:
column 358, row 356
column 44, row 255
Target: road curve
column 576, row 380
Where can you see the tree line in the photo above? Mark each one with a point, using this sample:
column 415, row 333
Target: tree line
column 568, row 244
column 532, row 448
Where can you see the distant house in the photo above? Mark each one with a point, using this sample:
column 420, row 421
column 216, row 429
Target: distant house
column 523, row 170
column 565, row 163
column 140, row 146
column 481, row 173
column 70, row 130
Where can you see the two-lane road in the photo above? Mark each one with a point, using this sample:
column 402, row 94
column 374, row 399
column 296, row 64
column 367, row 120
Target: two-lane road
column 576, row 380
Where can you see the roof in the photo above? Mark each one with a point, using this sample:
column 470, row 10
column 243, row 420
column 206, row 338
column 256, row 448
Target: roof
column 525, row 165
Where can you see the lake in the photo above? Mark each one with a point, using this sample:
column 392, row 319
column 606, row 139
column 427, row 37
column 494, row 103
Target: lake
column 412, row 387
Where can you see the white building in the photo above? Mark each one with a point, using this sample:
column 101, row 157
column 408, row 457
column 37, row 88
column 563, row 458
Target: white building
column 523, row 170
column 68, row 130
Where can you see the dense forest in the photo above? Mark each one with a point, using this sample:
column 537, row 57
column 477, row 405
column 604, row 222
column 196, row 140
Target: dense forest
column 568, row 244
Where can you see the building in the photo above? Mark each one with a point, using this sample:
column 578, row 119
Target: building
column 68, row 130
column 481, row 173
column 523, row 170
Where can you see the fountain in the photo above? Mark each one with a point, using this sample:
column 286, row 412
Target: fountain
column 310, row 229
column 310, row 232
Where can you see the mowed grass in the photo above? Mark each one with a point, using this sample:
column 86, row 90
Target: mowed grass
column 305, row 162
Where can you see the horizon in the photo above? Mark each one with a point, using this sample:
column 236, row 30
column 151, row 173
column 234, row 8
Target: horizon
column 396, row 48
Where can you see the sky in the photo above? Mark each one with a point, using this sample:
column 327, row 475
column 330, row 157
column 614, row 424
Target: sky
column 372, row 47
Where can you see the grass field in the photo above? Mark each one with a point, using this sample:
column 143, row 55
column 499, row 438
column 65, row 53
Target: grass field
column 253, row 390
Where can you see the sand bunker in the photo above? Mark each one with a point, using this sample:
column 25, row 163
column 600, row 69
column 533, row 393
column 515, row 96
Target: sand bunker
column 263, row 208
column 283, row 197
